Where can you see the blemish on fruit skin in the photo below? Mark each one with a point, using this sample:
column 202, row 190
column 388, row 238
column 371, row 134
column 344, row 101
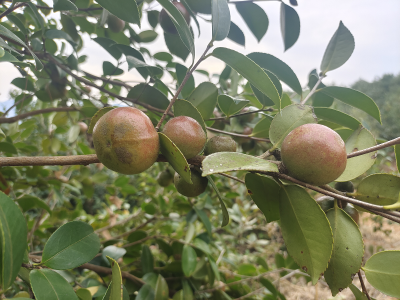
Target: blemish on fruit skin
column 301, row 252
column 340, row 289
column 304, row 269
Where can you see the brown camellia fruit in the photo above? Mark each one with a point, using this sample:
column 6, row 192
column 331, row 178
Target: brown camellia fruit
column 191, row 190
column 220, row 144
column 115, row 24
column 187, row 134
column 314, row 154
column 165, row 21
column 126, row 141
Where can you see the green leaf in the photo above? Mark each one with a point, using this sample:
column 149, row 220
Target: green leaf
column 62, row 5
column 204, row 98
column 136, row 63
column 2, row 52
column 231, row 106
column 176, row 46
column 84, row 294
column 261, row 130
column 230, row 161
column 147, row 36
column 348, row 250
column 379, row 189
column 337, row 117
column 357, row 293
column 129, row 51
column 225, row 214
column 255, row 18
column 206, row 221
column 181, row 26
column 28, row 202
column 397, row 152
column 290, row 25
column 110, row 69
column 354, row 98
column 189, row 260
column 200, row 244
column 152, row 17
column 249, row 70
column 147, row 260
column 308, row 240
column 361, row 139
column 269, row 286
column 221, row 19
column 13, row 240
column 113, row 252
column 319, row 99
column 265, row 193
column 97, row 117
column 116, row 287
column 188, row 88
column 383, row 272
column 7, row 33
column 126, row 10
column 70, row 246
column 264, row 99
column 214, row 267
column 14, row 19
column 9, row 58
column 24, row 84
column 339, row 50
column 161, row 291
column 290, row 118
column 175, row 157
column 36, row 15
column 108, row 44
column 236, row 34
column 47, row 284
column 146, row 293
column 185, row 108
column 59, row 34
column 148, row 94
column 163, row 56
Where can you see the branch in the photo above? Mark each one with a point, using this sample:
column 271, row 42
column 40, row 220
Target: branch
column 108, row 271
column 239, row 135
column 181, row 86
column 20, row 161
column 11, row 9
column 396, row 141
column 364, row 289
column 313, row 90
column 4, row 120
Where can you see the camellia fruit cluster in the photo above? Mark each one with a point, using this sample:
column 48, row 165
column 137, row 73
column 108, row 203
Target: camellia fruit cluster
column 314, row 154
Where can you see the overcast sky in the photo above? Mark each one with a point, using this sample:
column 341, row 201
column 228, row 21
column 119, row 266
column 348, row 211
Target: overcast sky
column 374, row 24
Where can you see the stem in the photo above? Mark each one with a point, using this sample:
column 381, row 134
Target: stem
column 238, row 135
column 188, row 74
column 396, row 141
column 313, row 90
column 4, row 120
column 363, row 285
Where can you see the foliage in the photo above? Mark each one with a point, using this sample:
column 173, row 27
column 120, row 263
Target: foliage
column 73, row 229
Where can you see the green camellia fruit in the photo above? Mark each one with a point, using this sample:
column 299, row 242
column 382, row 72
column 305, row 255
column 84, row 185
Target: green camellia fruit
column 165, row 21
column 220, row 144
column 327, row 202
column 126, row 141
column 165, row 178
column 346, row 186
column 187, row 134
column 191, row 190
column 314, row 154
column 115, row 24
column 200, row 6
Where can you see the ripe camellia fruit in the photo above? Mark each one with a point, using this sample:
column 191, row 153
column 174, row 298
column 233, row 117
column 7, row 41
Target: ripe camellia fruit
column 191, row 190
column 314, row 154
column 115, row 24
column 126, row 141
column 165, row 21
column 220, row 144
column 187, row 134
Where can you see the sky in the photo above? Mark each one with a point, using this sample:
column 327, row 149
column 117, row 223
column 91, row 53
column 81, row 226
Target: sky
column 374, row 24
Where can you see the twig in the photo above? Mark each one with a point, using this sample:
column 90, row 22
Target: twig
column 188, row 74
column 126, row 220
column 238, row 135
column 393, row 142
column 239, row 115
column 108, row 271
column 313, row 90
column 4, row 120
column 232, row 177
column 363, row 285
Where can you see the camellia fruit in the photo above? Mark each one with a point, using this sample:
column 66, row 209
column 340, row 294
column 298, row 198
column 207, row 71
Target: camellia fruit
column 126, row 141
column 165, row 178
column 346, row 186
column 165, row 21
column 220, row 144
column 115, row 24
column 187, row 134
column 327, row 202
column 198, row 186
column 314, row 154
